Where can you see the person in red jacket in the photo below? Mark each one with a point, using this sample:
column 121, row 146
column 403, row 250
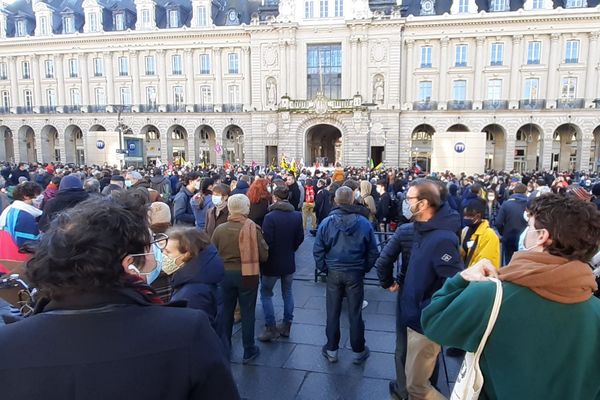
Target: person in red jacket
column 308, row 209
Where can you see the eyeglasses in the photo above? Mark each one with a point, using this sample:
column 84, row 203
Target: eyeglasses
column 412, row 197
column 159, row 239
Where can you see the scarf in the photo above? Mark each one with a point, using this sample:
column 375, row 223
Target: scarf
column 248, row 243
column 220, row 208
column 551, row 277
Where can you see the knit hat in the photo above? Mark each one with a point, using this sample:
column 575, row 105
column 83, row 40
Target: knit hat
column 238, row 204
column 159, row 213
column 70, row 182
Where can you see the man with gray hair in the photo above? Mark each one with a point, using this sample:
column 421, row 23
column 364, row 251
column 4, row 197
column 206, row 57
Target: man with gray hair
column 345, row 248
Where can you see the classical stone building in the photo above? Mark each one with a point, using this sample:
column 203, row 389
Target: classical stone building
column 318, row 80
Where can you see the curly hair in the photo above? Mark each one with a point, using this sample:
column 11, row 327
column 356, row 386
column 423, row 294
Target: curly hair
column 258, row 191
column 84, row 248
column 573, row 225
column 27, row 190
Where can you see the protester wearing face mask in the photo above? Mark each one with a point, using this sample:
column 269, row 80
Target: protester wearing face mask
column 478, row 240
column 182, row 209
column 219, row 213
column 547, row 308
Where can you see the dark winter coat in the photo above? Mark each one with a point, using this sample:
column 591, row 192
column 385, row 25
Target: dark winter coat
column 400, row 244
column 16, row 174
column 434, row 257
column 294, row 196
column 114, row 345
column 258, row 211
column 509, row 221
column 384, row 208
column 323, row 204
column 212, row 220
column 64, row 199
column 241, row 188
column 201, row 208
column 345, row 241
column 182, row 209
column 162, row 185
column 283, row 232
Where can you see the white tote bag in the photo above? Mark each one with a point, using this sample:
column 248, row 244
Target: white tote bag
column 470, row 379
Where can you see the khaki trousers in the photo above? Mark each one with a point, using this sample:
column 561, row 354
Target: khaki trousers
column 308, row 211
column 421, row 357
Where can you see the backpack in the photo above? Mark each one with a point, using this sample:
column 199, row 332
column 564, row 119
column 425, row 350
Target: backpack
column 165, row 194
column 309, row 194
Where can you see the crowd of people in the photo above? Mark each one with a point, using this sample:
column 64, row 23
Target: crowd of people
column 149, row 269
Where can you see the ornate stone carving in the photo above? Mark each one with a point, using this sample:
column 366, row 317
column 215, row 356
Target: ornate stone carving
column 271, row 91
column 270, row 56
column 378, row 89
column 378, row 52
column 287, row 9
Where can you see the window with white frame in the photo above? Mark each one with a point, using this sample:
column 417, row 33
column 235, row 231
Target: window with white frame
column 463, row 6
column 125, row 97
column 533, row 52
column 572, row 52
column 339, row 8
column 75, row 97
column 499, row 5
column 43, row 25
column 145, row 18
column 3, row 71
column 178, row 96
column 234, row 63
column 497, row 54
column 538, row 4
column 21, row 28
column 150, row 65
column 51, row 98
column 323, row 8
column 120, row 21
column 568, row 89
column 173, row 18
column 309, row 9
column 49, row 69
column 93, row 22
column 123, row 66
column 206, row 95
column 26, row 70
column 204, row 64
column 176, row 67
column 425, row 91
column 531, row 89
column 73, row 68
column 494, row 90
column 426, row 56
column 27, row 99
column 574, row 3
column 68, row 24
column 459, row 90
column 99, row 96
column 201, row 19
column 5, row 100
column 234, row 94
column 151, row 95
column 98, row 67
column 460, row 59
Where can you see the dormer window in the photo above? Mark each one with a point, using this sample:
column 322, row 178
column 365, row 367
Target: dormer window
column 575, row 4
column 119, row 21
column 43, row 25
column 499, row 5
column 68, row 24
column 93, row 21
column 21, row 28
column 201, row 19
column 174, row 18
column 145, row 18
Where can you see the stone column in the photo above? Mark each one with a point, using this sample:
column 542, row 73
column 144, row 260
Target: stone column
column 37, row 88
column 218, row 79
column 247, row 78
column 590, row 76
column 190, row 95
column 162, row 76
column 85, row 82
column 110, row 78
column 364, row 62
column 553, row 61
column 354, row 66
column 509, row 160
column 135, row 72
column 60, row 79
column 410, row 46
column 443, row 83
column 479, row 62
column 14, row 87
column 515, row 77
column 546, row 143
column 293, row 68
column 284, row 77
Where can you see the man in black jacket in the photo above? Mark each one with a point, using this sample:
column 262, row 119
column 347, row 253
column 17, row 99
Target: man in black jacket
column 182, row 208
column 292, row 185
column 70, row 193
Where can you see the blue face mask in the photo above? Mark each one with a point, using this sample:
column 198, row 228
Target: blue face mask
column 467, row 222
column 522, row 239
column 158, row 256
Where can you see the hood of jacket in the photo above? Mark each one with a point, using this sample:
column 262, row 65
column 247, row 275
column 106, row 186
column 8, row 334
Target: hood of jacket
column 518, row 197
column 346, row 217
column 242, row 185
column 159, row 179
column 445, row 218
column 365, row 188
column 206, row 267
column 282, row 205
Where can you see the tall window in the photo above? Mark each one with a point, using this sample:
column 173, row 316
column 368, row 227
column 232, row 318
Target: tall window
column 120, row 21
column 21, row 28
column 68, row 24
column 497, row 54
column 3, row 71
column 151, row 95
column 93, row 20
column 43, row 25
column 49, row 69
column 572, row 52
column 426, row 57
column 533, row 52
column 204, row 64
column 123, row 66
column 323, row 8
column 125, row 96
column 463, row 6
column 494, row 89
column 460, row 59
column 205, row 95
column 459, row 90
column 339, row 8
column 234, row 94
column 201, row 19
column 568, row 89
column 531, row 89
column 234, row 63
column 173, row 18
column 100, row 97
column 574, row 3
column 25, row 69
column 150, row 64
column 324, row 70
column 75, row 97
column 178, row 96
column 28, row 99
column 425, row 91
column 309, row 9
column 499, row 5
column 73, row 67
column 51, row 98
column 538, row 4
column 98, row 67
column 5, row 100
column 176, row 64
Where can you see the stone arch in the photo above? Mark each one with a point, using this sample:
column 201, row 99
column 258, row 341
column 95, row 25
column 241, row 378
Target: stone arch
column 567, row 142
column 495, row 146
column 177, row 144
column 74, row 145
column 233, row 144
column 7, row 149
column 422, row 146
column 595, row 150
column 458, row 128
column 528, row 150
column 27, row 145
column 311, row 122
column 205, row 142
column 152, row 140
column 50, row 144
column 323, row 145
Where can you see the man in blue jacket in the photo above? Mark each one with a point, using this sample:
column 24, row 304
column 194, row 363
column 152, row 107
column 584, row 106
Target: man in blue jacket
column 434, row 257
column 346, row 248
column 510, row 221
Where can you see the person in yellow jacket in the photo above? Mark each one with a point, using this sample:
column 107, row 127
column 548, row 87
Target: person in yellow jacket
column 478, row 239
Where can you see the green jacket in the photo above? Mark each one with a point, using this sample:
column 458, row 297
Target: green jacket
column 539, row 349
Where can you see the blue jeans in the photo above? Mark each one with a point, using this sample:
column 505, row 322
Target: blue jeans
column 266, row 294
column 351, row 285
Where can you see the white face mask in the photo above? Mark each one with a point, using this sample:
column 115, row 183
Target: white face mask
column 406, row 212
column 216, row 200
column 523, row 237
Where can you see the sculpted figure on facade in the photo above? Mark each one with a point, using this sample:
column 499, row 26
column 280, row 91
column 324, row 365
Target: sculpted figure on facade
column 271, row 91
column 378, row 89
column 287, row 10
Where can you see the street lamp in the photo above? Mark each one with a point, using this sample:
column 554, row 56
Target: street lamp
column 120, row 108
column 369, row 107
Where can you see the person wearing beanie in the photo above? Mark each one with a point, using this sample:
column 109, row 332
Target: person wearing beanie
column 241, row 245
column 510, row 222
column 70, row 193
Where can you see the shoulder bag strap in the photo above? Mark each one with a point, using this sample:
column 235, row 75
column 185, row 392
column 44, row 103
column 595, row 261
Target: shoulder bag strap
column 492, row 320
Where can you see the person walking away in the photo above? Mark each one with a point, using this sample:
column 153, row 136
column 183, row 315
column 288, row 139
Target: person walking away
column 282, row 230
column 161, row 184
column 478, row 240
column 345, row 248
column 201, row 203
column 182, row 209
column 385, row 207
column 240, row 244
column 510, row 222
column 70, row 193
column 260, row 200
column 308, row 208
column 367, row 200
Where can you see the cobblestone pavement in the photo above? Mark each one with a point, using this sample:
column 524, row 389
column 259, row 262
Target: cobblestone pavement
column 293, row 368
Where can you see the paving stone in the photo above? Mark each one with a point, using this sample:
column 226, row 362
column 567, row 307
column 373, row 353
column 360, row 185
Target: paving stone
column 259, row 383
column 272, row 354
column 380, row 322
column 384, row 342
column 336, row 387
column 309, row 358
column 315, row 303
column 387, row 307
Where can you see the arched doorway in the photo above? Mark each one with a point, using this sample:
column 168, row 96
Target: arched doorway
column 458, row 128
column 152, row 147
column 324, row 145
column 595, row 150
column 74, row 147
column 495, row 147
column 50, row 144
column 205, row 142
column 233, row 140
column 177, row 146
column 421, row 146
column 27, row 148
column 7, row 152
column 527, row 148
column 565, row 147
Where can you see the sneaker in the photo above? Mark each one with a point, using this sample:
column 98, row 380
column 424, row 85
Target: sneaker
column 270, row 333
column 284, row 328
column 365, row 304
column 331, row 356
column 393, row 393
column 359, row 358
column 250, row 355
